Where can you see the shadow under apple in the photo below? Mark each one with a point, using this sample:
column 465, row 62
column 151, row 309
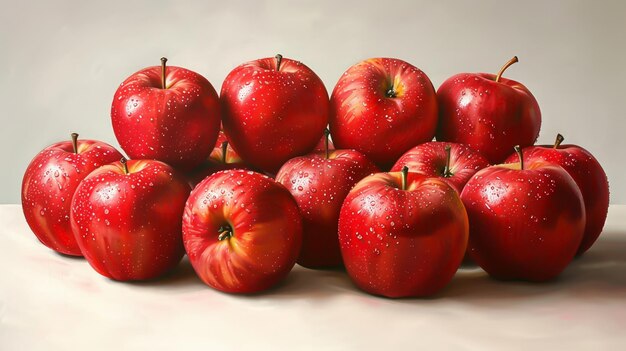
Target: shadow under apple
column 600, row 273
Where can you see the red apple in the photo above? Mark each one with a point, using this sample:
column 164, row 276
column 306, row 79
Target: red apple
column 273, row 110
column 453, row 163
column 221, row 158
column 126, row 217
column 242, row 231
column 382, row 107
column 489, row 113
column 588, row 175
column 320, row 182
column 49, row 184
column 526, row 219
column 169, row 114
column 402, row 234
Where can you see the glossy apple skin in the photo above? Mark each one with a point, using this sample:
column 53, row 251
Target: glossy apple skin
column 49, row 184
column 319, row 186
column 272, row 116
column 215, row 163
column 267, row 231
column 177, row 125
column 128, row 226
column 430, row 159
column 399, row 243
column 490, row 117
column 524, row 224
column 363, row 118
column 588, row 175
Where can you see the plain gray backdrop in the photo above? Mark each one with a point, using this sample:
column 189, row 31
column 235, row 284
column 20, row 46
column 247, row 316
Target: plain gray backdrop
column 61, row 61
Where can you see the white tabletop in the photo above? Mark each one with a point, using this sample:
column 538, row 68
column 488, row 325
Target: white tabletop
column 52, row 302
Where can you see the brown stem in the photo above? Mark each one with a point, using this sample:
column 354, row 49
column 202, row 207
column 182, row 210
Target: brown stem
column 391, row 92
column 405, row 173
column 163, row 67
column 446, row 169
column 75, row 142
column 520, row 155
column 559, row 140
column 225, row 232
column 123, row 161
column 506, row 65
column 224, row 149
column 279, row 59
column 326, row 135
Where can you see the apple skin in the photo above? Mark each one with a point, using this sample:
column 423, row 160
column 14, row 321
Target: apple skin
column 216, row 162
column 524, row 224
column 319, row 186
column 49, row 184
column 430, row 159
column 321, row 145
column 363, row 117
column 402, row 243
column 588, row 175
column 270, row 115
column 128, row 226
column 490, row 117
column 266, row 227
column 177, row 125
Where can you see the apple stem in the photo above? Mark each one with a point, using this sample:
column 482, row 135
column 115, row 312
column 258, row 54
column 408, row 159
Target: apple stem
column 506, row 65
column 326, row 135
column 123, row 161
column 446, row 169
column 224, row 149
column 559, row 140
column 75, row 142
column 163, row 67
column 279, row 59
column 391, row 93
column 518, row 150
column 405, row 173
column 225, row 232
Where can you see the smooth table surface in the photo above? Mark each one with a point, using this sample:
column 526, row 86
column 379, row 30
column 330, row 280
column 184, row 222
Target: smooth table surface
column 52, row 302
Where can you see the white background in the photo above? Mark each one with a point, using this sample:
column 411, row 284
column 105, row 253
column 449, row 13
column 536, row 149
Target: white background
column 61, row 61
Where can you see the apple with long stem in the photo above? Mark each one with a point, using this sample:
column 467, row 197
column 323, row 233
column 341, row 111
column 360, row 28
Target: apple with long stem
column 488, row 112
column 319, row 182
column 453, row 163
column 126, row 217
column 49, row 184
column 166, row 113
column 588, row 175
column 242, row 231
column 382, row 107
column 402, row 234
column 527, row 219
column 273, row 110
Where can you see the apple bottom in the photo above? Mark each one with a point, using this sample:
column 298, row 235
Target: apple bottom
column 245, row 262
column 427, row 276
column 242, row 231
column 126, row 258
column 521, row 252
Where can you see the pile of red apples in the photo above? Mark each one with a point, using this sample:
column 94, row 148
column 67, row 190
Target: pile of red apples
column 273, row 172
